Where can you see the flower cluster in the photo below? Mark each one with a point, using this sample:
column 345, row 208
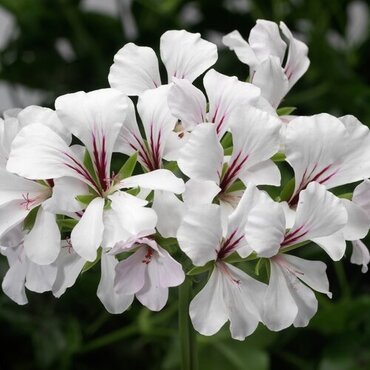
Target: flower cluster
column 199, row 192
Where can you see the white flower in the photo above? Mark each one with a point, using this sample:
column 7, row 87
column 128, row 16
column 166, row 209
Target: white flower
column 264, row 53
column 184, row 54
column 229, row 294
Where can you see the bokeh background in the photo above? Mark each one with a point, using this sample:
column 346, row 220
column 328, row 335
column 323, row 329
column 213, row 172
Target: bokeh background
column 51, row 47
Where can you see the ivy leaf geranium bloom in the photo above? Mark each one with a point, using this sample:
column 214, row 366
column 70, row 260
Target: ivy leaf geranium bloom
column 230, row 294
column 264, row 53
column 184, row 54
column 95, row 118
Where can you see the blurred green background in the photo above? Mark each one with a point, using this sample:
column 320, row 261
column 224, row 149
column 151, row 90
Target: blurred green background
column 51, row 47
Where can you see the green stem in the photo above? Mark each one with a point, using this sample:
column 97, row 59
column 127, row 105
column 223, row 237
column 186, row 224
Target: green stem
column 189, row 360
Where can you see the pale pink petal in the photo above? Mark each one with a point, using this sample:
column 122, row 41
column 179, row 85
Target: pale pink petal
column 135, row 70
column 131, row 272
column 170, row 272
column 87, row 235
column 186, row 55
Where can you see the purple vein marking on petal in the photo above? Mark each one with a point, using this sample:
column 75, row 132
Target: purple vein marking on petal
column 80, row 170
column 292, row 237
column 229, row 245
column 232, row 171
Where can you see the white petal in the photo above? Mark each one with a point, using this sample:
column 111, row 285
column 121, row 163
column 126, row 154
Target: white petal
column 263, row 173
column 241, row 293
column 200, row 233
column 361, row 196
column 187, row 103
column 96, row 119
column 360, row 255
column 186, row 55
column 69, row 265
column 13, row 187
column 319, row 214
column 313, row 273
column 11, row 215
column 39, row 153
column 135, row 69
column 265, row 226
column 127, row 217
column 271, row 79
column 129, row 139
column 65, row 191
column 40, row 279
column 152, row 295
column 157, row 121
column 234, row 41
column 358, row 223
column 225, row 95
column 113, row 302
column 266, row 41
column 155, row 180
column 208, row 310
column 334, row 245
column 13, row 283
column 42, row 243
column 48, row 117
column 280, row 308
column 255, row 139
column 169, row 210
column 202, row 143
column 199, row 192
column 297, row 62
column 87, row 235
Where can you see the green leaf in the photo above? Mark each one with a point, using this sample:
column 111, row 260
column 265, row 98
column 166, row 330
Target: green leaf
column 258, row 266
column 85, row 199
column 29, row 221
column 88, row 265
column 287, row 191
column 285, row 111
column 128, row 168
column 227, row 141
column 237, row 185
column 278, row 157
column 200, row 269
column 133, row 191
column 67, row 224
column 228, row 151
column 345, row 196
column 88, row 163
